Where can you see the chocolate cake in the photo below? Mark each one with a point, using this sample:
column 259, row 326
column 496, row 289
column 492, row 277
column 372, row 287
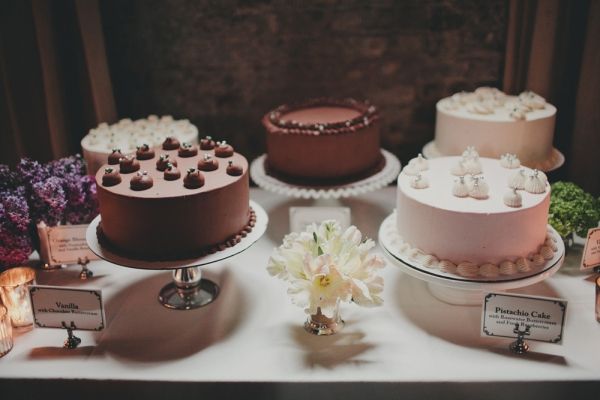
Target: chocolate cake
column 167, row 205
column 323, row 141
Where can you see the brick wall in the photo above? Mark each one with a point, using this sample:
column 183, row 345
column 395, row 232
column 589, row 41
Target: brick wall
column 223, row 64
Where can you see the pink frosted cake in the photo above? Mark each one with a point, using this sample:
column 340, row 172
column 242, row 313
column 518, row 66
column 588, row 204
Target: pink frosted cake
column 496, row 123
column 475, row 217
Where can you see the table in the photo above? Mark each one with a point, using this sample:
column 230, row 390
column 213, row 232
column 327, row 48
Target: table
column 250, row 342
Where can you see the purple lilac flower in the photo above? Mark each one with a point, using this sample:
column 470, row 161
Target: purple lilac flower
column 14, row 248
column 14, row 211
column 31, row 171
column 8, row 179
column 48, row 201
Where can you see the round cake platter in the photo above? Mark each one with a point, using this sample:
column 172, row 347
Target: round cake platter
column 188, row 290
column 455, row 289
column 556, row 160
column 374, row 182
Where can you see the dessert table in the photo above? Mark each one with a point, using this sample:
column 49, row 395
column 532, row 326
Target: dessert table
column 251, row 343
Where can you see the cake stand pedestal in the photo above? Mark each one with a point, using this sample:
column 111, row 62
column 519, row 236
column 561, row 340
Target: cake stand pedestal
column 454, row 289
column 374, row 182
column 187, row 290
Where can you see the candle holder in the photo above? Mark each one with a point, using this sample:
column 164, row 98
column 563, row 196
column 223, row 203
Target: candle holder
column 6, row 334
column 14, row 291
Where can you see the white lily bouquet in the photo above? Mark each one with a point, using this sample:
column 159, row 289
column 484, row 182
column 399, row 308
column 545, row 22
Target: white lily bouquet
column 326, row 266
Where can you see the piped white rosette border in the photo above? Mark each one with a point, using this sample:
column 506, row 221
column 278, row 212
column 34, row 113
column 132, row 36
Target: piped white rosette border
column 555, row 161
column 374, row 182
column 429, row 268
column 262, row 220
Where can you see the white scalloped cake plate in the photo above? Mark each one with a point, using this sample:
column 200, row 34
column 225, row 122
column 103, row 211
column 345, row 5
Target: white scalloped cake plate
column 431, row 151
column 388, row 234
column 258, row 230
column 374, row 182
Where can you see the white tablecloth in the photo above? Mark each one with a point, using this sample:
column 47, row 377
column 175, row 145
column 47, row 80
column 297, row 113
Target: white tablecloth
column 252, row 333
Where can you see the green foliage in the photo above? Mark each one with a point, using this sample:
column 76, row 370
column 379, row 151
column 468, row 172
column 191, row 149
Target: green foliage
column 572, row 209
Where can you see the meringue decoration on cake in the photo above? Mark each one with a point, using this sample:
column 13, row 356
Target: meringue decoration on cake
column 510, row 161
column 419, row 163
column 535, row 183
column 512, row 198
column 419, row 182
column 479, row 189
column 459, row 168
column 517, row 180
column 460, row 187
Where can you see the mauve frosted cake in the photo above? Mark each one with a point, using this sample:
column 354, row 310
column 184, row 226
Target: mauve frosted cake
column 475, row 217
column 175, row 201
column 323, row 141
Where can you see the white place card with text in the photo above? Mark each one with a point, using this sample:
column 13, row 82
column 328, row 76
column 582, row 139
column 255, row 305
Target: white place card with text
column 64, row 244
column 504, row 314
column 53, row 306
column 301, row 217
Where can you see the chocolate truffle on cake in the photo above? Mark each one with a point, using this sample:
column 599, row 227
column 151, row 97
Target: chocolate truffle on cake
column 171, row 173
column 193, row 179
column 128, row 164
column 187, row 150
column 223, row 150
column 233, row 169
column 141, row 181
column 144, row 152
column 323, row 140
column 170, row 143
column 115, row 156
column 208, row 163
column 111, row 177
column 164, row 160
column 207, row 143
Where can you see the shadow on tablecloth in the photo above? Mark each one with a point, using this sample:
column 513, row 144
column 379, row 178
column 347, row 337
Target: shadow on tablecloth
column 139, row 328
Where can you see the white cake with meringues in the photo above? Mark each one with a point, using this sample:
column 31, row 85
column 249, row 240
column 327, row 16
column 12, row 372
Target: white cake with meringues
column 475, row 217
column 496, row 123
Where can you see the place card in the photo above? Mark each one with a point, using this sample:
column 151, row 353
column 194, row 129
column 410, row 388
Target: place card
column 64, row 244
column 591, row 251
column 59, row 307
column 543, row 317
column 301, row 217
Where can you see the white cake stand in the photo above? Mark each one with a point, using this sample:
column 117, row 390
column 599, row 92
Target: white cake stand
column 455, row 289
column 374, row 182
column 188, row 290
column 557, row 158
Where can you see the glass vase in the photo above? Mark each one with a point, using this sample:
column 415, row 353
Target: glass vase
column 325, row 323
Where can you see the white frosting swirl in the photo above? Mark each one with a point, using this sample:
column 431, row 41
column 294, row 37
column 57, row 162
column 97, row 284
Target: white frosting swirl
column 460, row 187
column 532, row 100
column 467, row 269
column 419, row 163
column 459, row 168
column 419, row 182
column 480, row 107
column 479, row 188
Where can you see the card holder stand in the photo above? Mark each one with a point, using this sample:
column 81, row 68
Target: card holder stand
column 85, row 272
column 520, row 346
column 72, row 341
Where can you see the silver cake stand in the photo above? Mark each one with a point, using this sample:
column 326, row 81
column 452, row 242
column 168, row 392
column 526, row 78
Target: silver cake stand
column 557, row 158
column 187, row 290
column 455, row 289
column 374, row 182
